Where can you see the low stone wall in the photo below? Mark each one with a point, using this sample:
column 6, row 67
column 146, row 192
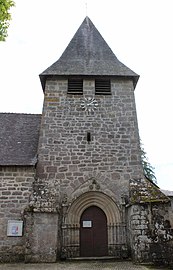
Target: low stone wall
column 151, row 233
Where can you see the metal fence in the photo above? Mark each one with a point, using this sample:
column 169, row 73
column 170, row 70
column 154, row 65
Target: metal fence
column 117, row 241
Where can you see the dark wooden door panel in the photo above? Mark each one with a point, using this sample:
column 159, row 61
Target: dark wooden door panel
column 93, row 233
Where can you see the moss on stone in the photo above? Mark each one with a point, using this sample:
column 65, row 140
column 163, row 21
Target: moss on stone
column 144, row 191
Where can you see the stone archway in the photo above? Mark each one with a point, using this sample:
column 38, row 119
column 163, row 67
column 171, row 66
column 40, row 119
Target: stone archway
column 95, row 198
column 116, row 230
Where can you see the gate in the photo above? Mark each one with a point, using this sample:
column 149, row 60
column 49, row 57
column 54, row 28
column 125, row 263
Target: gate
column 117, row 234
column 70, row 241
column 117, row 241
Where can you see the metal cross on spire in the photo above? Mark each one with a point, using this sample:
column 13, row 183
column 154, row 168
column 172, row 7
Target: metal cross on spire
column 86, row 8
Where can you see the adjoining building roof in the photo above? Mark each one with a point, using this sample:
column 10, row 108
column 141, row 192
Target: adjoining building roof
column 88, row 54
column 19, row 134
column 144, row 191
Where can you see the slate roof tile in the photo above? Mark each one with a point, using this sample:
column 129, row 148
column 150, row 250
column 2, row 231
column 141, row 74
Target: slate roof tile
column 88, row 54
column 144, row 191
column 19, row 134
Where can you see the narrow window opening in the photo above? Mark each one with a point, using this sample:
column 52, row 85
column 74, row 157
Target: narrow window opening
column 88, row 137
column 75, row 86
column 102, row 87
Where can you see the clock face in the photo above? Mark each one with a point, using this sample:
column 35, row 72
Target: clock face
column 89, row 104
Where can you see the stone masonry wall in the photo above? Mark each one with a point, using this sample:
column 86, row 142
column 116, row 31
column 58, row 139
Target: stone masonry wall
column 42, row 242
column 139, row 224
column 151, row 233
column 171, row 211
column 65, row 156
column 15, row 189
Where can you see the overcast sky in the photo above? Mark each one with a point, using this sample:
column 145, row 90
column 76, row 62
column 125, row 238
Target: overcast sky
column 138, row 32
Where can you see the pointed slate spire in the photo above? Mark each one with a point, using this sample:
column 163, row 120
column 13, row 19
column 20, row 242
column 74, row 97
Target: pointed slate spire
column 88, row 54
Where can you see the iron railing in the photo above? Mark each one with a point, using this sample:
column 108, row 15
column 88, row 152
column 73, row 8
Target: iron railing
column 117, row 241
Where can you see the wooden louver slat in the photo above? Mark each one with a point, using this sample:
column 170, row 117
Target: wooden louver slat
column 75, row 86
column 102, row 87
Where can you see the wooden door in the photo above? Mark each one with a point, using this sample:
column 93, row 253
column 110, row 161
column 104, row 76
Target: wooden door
column 93, row 233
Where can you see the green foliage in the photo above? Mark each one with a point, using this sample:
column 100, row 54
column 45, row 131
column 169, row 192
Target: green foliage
column 5, row 17
column 147, row 168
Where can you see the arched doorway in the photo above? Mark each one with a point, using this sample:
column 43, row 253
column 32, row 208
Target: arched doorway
column 93, row 233
column 72, row 230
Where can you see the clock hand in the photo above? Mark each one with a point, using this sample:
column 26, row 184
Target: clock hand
column 91, row 102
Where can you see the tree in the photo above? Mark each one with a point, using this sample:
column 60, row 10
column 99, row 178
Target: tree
column 147, row 167
column 5, row 17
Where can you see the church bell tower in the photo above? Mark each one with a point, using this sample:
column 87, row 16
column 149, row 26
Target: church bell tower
column 88, row 152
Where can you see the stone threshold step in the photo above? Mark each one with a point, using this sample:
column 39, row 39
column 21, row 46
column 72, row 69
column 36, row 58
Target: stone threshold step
column 109, row 258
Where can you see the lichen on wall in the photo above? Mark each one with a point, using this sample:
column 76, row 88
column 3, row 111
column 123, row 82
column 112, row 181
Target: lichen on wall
column 151, row 232
column 161, row 248
column 143, row 191
column 45, row 196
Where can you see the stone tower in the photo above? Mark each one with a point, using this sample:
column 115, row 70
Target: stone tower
column 88, row 152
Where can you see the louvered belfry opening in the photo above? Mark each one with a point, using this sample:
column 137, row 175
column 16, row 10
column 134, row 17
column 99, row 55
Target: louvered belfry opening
column 75, row 86
column 102, row 87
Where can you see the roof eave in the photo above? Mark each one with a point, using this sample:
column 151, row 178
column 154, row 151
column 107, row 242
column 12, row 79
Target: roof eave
column 43, row 77
column 43, row 81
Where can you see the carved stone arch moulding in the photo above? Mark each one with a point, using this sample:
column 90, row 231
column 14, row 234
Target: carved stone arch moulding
column 92, row 184
column 95, row 198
